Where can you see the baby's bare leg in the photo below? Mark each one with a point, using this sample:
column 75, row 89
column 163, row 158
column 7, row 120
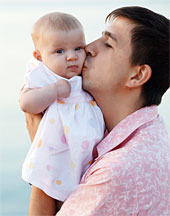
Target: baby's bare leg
column 41, row 203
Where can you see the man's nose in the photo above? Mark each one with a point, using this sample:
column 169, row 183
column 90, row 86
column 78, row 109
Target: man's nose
column 71, row 56
column 91, row 49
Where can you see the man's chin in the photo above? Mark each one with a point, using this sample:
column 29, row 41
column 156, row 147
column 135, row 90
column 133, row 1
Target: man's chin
column 85, row 83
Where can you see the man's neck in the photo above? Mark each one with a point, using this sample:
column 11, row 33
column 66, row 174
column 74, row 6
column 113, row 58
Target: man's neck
column 117, row 108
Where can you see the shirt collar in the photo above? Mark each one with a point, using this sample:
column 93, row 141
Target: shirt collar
column 126, row 127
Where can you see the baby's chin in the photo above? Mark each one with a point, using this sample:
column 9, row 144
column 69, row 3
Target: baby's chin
column 72, row 74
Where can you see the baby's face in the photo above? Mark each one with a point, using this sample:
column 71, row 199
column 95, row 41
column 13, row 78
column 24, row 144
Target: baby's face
column 63, row 52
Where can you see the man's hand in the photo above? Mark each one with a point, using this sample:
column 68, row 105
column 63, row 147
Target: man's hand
column 32, row 123
column 63, row 88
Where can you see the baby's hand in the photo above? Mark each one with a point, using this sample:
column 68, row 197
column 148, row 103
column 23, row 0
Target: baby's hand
column 63, row 88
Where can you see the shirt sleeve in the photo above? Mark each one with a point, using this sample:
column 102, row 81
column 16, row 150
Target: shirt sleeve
column 107, row 191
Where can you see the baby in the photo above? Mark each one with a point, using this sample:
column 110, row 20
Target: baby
column 72, row 123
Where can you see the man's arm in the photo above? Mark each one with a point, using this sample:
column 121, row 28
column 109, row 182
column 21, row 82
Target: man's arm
column 32, row 123
column 37, row 100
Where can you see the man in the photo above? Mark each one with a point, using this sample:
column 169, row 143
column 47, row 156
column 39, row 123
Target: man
column 127, row 72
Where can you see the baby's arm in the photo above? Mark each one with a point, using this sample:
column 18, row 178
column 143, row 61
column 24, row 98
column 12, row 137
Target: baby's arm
column 37, row 100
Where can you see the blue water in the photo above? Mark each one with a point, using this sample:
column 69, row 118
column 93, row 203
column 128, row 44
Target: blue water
column 17, row 17
column 14, row 144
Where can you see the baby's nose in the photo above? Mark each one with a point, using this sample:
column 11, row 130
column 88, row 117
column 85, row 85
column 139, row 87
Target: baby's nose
column 71, row 56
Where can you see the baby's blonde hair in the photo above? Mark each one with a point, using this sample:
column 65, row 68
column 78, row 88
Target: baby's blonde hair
column 56, row 21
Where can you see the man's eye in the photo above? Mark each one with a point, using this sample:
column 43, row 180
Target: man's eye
column 78, row 48
column 108, row 45
column 59, row 51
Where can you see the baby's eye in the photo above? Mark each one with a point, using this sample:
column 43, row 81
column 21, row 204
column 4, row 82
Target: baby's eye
column 78, row 48
column 59, row 51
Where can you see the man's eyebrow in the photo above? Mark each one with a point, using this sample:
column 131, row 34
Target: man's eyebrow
column 111, row 35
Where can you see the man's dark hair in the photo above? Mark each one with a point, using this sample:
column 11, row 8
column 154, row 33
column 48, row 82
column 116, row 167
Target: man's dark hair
column 150, row 45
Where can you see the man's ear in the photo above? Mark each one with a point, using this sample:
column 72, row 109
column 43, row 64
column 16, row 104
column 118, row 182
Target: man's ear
column 37, row 55
column 140, row 75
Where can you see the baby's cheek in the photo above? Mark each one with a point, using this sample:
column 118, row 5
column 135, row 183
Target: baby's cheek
column 82, row 55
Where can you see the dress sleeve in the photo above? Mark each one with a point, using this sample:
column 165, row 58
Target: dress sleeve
column 107, row 191
column 36, row 76
column 33, row 78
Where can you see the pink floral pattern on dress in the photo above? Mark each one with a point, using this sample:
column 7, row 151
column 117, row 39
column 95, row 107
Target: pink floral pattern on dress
column 131, row 174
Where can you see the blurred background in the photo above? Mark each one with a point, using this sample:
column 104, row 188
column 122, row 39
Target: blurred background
column 16, row 20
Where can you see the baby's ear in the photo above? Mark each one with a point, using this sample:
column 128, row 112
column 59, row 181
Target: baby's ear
column 139, row 76
column 37, row 55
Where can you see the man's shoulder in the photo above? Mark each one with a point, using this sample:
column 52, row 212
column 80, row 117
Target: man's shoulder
column 144, row 152
column 137, row 157
column 113, row 163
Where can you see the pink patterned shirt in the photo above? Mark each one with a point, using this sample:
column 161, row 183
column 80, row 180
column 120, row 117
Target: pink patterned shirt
column 131, row 175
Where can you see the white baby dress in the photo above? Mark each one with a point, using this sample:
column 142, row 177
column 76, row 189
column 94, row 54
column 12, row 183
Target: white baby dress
column 70, row 128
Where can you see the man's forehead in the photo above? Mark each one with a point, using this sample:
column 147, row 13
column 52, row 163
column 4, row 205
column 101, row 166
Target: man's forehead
column 120, row 28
